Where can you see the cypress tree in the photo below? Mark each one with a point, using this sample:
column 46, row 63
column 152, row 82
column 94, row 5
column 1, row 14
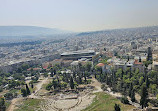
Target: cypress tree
column 117, row 107
column 149, row 56
column 147, row 82
column 130, row 72
column 140, row 60
column 144, row 97
column 80, row 80
column 107, row 80
column 27, row 90
column 71, row 83
column 54, row 83
column 130, row 89
column 133, row 96
column 122, row 74
column 85, row 78
column 51, row 75
column 95, row 75
column 128, row 58
column 32, row 86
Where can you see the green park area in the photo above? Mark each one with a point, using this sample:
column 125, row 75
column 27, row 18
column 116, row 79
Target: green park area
column 105, row 102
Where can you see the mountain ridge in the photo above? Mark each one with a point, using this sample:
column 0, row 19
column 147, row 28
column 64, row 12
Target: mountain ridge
column 29, row 31
column 148, row 28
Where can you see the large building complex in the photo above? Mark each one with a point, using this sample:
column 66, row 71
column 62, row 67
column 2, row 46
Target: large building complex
column 75, row 55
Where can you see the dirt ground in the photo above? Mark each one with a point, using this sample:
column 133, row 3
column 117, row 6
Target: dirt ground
column 66, row 101
column 13, row 104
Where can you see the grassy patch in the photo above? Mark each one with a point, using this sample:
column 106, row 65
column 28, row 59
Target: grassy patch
column 44, row 86
column 29, row 105
column 32, row 89
column 105, row 102
column 7, row 104
column 14, row 91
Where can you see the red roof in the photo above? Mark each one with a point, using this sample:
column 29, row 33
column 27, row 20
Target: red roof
column 137, row 62
column 34, row 69
column 100, row 65
column 45, row 67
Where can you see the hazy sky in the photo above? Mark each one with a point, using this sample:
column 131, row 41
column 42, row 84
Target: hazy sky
column 79, row 15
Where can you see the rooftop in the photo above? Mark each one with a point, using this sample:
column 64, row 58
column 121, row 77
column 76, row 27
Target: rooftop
column 100, row 64
column 78, row 52
column 137, row 62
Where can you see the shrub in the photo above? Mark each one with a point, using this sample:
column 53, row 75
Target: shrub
column 8, row 96
column 124, row 100
column 49, row 86
column 103, row 87
column 1, row 89
column 117, row 107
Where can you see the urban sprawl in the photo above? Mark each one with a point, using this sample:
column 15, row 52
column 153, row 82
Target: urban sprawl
column 67, row 74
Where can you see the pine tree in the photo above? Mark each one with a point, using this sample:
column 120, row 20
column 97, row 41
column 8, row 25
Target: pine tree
column 23, row 91
column 121, row 85
column 54, row 83
column 88, row 66
column 2, row 104
column 51, row 70
column 54, row 71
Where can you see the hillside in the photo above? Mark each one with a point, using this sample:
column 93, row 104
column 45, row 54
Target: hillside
column 151, row 31
column 28, row 31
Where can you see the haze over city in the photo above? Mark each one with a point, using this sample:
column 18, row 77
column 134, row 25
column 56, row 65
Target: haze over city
column 79, row 15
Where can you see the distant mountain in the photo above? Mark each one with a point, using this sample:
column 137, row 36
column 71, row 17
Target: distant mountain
column 150, row 31
column 28, row 31
column 122, row 34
